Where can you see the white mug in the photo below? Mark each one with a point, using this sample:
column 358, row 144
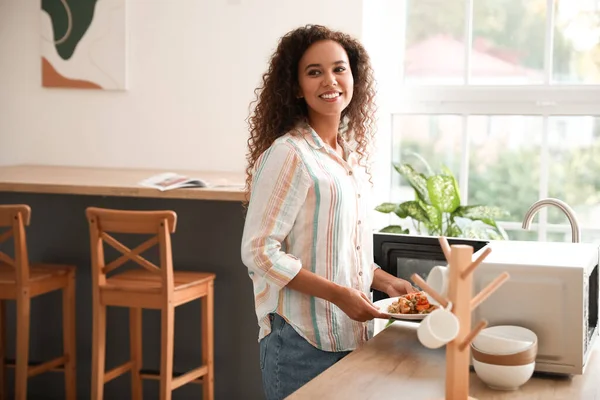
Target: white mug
column 438, row 328
column 438, row 281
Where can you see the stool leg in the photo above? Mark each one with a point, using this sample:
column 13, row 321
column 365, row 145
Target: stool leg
column 69, row 335
column 2, row 352
column 22, row 364
column 166, row 353
column 98, row 350
column 135, row 349
column 208, row 343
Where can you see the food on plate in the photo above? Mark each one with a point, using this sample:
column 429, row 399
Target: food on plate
column 411, row 303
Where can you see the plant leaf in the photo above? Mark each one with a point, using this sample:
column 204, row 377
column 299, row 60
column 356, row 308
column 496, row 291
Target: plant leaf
column 502, row 232
column 447, row 172
column 386, row 207
column 420, row 158
column 413, row 210
column 485, row 214
column 417, row 180
column 494, row 235
column 480, row 230
column 453, row 231
column 443, row 193
column 433, row 214
column 395, row 229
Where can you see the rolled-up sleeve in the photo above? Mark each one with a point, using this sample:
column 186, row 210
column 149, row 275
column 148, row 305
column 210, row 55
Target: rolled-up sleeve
column 375, row 267
column 279, row 188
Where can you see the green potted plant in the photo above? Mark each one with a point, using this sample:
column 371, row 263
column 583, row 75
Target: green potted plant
column 437, row 210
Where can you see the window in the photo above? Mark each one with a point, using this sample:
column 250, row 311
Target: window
column 505, row 93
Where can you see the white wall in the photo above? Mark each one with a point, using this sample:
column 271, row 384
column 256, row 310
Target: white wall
column 382, row 35
column 193, row 66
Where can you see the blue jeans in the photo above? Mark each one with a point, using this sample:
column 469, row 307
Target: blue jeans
column 288, row 361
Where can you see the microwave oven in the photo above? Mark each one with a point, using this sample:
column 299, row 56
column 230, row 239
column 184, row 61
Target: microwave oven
column 552, row 290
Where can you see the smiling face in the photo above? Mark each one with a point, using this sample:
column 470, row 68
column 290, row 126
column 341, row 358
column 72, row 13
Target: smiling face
column 325, row 79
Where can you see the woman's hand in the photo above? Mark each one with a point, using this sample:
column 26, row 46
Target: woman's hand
column 357, row 305
column 390, row 284
column 397, row 287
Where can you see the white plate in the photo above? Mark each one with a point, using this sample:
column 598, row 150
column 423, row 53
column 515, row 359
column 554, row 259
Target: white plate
column 383, row 306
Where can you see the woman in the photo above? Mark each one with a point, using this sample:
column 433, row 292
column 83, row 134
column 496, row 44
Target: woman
column 307, row 241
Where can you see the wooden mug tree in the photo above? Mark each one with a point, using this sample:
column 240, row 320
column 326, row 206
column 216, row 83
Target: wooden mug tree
column 460, row 282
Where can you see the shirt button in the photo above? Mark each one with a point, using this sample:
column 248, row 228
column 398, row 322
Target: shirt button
column 360, row 273
column 359, row 222
column 358, row 195
column 349, row 172
column 357, row 247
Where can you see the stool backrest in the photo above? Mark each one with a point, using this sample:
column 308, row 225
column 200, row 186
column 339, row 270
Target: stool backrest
column 160, row 224
column 15, row 217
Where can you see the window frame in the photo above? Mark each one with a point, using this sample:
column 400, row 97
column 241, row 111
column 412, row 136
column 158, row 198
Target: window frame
column 550, row 99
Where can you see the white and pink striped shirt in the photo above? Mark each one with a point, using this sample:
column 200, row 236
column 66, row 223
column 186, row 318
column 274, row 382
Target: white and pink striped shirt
column 308, row 209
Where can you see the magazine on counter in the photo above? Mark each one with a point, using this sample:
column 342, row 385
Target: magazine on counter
column 171, row 180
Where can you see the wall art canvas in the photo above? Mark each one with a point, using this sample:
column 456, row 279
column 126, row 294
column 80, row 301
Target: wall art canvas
column 84, row 44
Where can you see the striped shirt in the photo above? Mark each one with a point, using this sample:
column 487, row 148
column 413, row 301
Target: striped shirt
column 308, row 209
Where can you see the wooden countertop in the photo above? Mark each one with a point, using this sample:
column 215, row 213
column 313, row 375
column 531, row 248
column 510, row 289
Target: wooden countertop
column 394, row 365
column 114, row 182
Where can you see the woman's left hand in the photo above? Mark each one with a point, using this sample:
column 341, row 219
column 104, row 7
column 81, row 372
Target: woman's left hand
column 398, row 287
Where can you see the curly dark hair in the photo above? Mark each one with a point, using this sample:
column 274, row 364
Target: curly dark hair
column 278, row 110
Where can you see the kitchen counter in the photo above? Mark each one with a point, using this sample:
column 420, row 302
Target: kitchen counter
column 395, row 365
column 115, row 182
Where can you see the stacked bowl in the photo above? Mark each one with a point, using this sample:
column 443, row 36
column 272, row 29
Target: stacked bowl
column 504, row 356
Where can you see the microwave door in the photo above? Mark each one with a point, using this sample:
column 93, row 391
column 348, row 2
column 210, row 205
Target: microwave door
column 403, row 264
column 407, row 266
column 403, row 255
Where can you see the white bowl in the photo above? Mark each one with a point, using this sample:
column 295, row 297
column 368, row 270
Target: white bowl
column 502, row 377
column 504, row 339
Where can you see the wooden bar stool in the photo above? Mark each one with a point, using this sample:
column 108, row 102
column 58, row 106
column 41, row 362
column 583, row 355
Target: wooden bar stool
column 152, row 287
column 21, row 281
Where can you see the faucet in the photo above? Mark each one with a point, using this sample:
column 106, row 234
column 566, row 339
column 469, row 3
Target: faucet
column 564, row 207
